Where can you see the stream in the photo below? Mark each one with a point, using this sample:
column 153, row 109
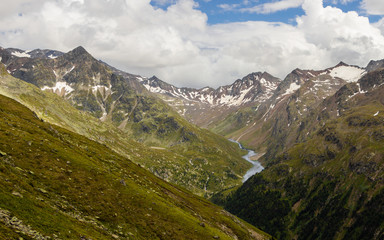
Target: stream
column 256, row 165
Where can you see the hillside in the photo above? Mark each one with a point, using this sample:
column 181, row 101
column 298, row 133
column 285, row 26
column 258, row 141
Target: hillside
column 59, row 185
column 176, row 150
column 331, row 184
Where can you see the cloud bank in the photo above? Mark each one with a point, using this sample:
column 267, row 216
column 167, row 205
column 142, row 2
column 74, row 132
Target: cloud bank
column 178, row 45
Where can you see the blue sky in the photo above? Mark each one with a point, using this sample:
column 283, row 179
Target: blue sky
column 225, row 11
column 198, row 43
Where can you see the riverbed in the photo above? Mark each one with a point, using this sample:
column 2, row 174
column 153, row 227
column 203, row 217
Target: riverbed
column 256, row 168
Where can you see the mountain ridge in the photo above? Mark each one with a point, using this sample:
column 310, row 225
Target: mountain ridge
column 329, row 184
column 255, row 87
column 193, row 158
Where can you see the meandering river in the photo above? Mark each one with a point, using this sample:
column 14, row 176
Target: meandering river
column 256, row 165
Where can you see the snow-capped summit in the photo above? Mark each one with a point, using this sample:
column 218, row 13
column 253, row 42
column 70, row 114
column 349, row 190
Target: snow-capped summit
column 254, row 87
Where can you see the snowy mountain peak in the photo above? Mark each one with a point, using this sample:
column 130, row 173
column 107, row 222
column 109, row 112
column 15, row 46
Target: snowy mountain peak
column 37, row 53
column 20, row 54
column 45, row 53
column 254, row 87
column 347, row 73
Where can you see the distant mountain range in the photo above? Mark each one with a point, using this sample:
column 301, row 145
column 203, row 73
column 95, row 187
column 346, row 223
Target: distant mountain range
column 206, row 106
column 319, row 135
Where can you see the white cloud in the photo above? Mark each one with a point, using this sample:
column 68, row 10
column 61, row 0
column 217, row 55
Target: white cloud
column 179, row 46
column 344, row 36
column 380, row 25
column 274, row 6
column 229, row 7
column 373, row 7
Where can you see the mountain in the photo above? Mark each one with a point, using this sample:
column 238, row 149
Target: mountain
column 56, row 184
column 175, row 150
column 375, row 65
column 37, row 53
column 319, row 135
column 330, row 184
column 277, row 122
column 253, row 110
column 207, row 105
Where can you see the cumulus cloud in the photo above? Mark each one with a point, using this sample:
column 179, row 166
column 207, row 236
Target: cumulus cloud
column 344, row 36
column 373, row 7
column 380, row 25
column 178, row 45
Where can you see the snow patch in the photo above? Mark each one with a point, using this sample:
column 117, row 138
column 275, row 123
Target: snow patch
column 70, row 70
column 292, row 88
column 21, row 54
column 347, row 73
column 52, row 56
column 154, row 89
column 59, row 87
column 97, row 87
column 235, row 101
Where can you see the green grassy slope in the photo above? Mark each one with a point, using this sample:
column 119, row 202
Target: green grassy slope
column 58, row 184
column 204, row 164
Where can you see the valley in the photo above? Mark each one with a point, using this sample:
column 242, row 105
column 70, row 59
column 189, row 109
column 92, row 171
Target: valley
column 257, row 167
column 317, row 136
column 323, row 174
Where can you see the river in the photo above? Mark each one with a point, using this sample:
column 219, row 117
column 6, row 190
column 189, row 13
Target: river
column 256, row 165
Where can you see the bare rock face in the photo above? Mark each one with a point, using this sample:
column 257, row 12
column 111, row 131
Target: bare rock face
column 374, row 65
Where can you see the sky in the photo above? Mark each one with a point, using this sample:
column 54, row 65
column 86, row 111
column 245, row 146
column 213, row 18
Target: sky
column 198, row 43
